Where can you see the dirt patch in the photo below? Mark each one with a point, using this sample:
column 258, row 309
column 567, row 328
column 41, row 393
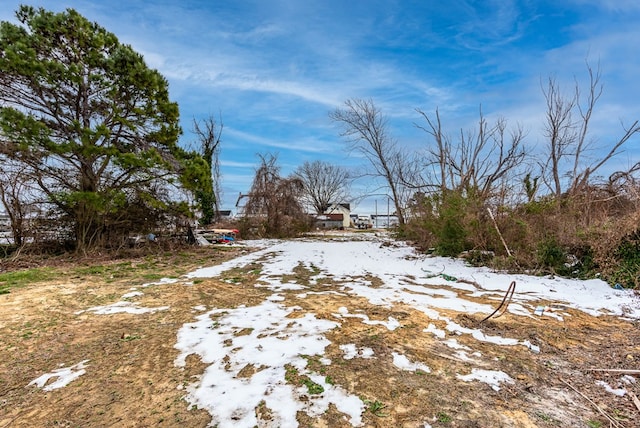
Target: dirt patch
column 131, row 379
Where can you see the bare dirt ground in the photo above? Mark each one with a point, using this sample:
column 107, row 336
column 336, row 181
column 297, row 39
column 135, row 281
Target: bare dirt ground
column 131, row 379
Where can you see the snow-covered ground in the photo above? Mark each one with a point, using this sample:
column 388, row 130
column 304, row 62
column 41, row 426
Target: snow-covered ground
column 267, row 338
column 407, row 278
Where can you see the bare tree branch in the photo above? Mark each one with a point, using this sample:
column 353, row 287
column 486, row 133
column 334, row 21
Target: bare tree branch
column 324, row 184
column 365, row 128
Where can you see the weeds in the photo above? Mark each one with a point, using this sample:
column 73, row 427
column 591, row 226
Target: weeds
column 21, row 278
column 443, row 418
column 312, row 387
column 129, row 337
column 292, row 376
column 376, row 407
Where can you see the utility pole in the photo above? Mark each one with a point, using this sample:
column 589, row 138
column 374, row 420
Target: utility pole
column 388, row 218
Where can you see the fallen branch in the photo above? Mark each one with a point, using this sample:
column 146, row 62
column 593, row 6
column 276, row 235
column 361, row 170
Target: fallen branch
column 635, row 399
column 495, row 224
column 625, row 371
column 612, row 421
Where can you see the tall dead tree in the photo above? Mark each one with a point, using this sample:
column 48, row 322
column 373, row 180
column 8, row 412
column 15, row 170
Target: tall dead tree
column 366, row 130
column 567, row 128
column 477, row 163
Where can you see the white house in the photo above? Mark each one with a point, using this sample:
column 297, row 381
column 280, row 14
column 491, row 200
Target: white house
column 344, row 209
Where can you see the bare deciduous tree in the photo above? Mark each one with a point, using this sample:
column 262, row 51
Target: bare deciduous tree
column 568, row 136
column 478, row 163
column 15, row 196
column 209, row 134
column 365, row 128
column 324, row 184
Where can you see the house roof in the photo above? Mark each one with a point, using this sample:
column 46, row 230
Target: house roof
column 331, row 207
column 330, row 217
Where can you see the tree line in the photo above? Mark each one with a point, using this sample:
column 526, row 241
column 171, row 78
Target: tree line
column 483, row 194
column 89, row 143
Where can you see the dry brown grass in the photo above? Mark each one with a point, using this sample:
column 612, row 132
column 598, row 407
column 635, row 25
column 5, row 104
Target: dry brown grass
column 131, row 380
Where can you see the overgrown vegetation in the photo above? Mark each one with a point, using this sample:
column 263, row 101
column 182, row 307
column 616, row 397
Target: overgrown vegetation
column 484, row 199
column 274, row 206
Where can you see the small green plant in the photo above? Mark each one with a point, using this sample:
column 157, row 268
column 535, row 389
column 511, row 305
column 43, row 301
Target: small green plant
column 443, row 418
column 594, row 424
column 129, row 337
column 546, row 418
column 291, row 374
column 312, row 387
column 376, row 407
column 329, row 380
column 619, row 415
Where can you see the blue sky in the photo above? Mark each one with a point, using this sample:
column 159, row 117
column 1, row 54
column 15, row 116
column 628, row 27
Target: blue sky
column 273, row 69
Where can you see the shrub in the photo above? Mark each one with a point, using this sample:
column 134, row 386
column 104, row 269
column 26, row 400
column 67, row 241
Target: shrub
column 551, row 255
column 627, row 262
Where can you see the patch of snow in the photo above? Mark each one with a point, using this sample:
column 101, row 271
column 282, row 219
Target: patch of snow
column 629, row 380
column 392, row 324
column 480, row 335
column 350, row 405
column 531, row 346
column 463, row 356
column 264, row 338
column 620, row 392
column 132, row 294
column 351, row 351
column 276, row 298
column 435, row 331
column 403, row 363
column 163, row 281
column 65, row 376
column 453, row 344
column 518, row 309
column 491, row 377
column 123, row 307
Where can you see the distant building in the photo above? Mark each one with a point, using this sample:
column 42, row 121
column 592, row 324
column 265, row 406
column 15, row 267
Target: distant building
column 224, row 214
column 343, row 209
column 384, row 221
column 329, row 221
